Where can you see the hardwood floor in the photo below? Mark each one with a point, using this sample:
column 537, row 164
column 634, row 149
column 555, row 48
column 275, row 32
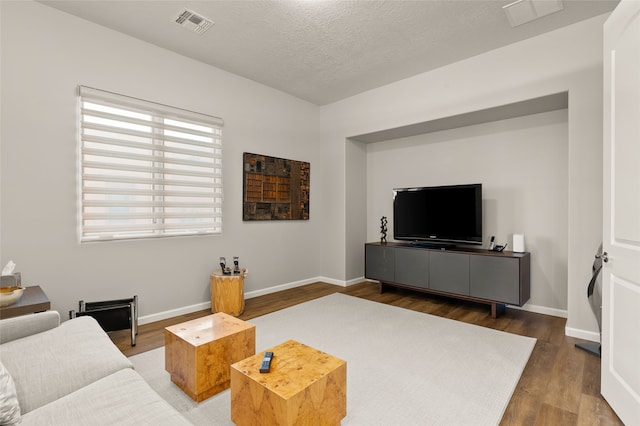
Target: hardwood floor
column 559, row 386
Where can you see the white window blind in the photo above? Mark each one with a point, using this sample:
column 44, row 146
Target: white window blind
column 146, row 169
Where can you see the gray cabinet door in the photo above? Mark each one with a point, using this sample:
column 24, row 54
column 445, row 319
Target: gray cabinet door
column 495, row 278
column 449, row 272
column 412, row 267
column 379, row 263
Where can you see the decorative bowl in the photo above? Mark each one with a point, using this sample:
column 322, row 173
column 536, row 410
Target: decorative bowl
column 10, row 295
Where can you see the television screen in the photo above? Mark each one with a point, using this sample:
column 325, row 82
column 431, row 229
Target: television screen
column 438, row 214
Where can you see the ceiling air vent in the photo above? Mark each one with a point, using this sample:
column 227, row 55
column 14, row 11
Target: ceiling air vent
column 193, row 21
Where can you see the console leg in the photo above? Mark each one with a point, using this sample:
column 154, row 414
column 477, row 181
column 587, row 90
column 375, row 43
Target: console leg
column 497, row 309
column 383, row 287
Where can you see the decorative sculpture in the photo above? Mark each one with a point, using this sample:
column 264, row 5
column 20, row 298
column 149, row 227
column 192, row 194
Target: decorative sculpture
column 224, row 269
column 594, row 295
column 383, row 229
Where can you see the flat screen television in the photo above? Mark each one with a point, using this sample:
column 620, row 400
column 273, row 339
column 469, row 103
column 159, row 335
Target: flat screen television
column 446, row 215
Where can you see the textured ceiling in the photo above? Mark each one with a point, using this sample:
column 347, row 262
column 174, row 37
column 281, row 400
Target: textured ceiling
column 322, row 50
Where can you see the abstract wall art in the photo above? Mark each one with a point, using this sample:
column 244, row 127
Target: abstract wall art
column 275, row 188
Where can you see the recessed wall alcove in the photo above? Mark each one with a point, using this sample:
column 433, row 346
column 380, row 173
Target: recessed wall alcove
column 543, row 119
column 541, row 104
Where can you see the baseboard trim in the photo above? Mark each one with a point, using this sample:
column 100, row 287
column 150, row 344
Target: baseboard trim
column 248, row 295
column 582, row 334
column 269, row 290
column 294, row 284
column 541, row 310
column 354, row 281
column 174, row 313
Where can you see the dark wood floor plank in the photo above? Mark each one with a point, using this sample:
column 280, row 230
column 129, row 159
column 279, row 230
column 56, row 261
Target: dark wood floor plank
column 553, row 416
column 595, row 411
column 591, row 375
column 526, row 402
column 565, row 384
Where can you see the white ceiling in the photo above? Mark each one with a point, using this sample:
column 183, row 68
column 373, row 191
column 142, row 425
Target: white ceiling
column 326, row 50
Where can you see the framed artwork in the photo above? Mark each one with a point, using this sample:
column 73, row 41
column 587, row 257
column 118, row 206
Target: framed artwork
column 275, row 188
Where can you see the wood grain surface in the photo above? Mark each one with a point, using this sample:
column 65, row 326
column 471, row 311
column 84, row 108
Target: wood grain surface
column 227, row 293
column 198, row 353
column 304, row 386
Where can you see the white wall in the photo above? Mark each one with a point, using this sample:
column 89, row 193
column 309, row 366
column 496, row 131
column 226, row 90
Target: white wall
column 355, row 195
column 522, row 165
column 566, row 60
column 45, row 55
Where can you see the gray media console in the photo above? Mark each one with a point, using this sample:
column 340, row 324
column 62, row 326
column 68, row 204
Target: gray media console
column 494, row 278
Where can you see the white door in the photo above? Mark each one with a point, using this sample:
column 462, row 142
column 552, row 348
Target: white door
column 621, row 238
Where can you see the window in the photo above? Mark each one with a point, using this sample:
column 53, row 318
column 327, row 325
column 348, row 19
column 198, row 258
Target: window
column 146, row 170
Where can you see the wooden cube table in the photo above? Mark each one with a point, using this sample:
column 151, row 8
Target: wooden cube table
column 305, row 386
column 198, row 353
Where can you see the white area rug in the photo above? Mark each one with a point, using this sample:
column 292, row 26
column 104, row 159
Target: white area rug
column 403, row 367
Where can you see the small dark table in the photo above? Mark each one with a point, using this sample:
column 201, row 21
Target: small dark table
column 33, row 300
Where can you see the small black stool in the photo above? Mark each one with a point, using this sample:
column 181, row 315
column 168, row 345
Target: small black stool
column 112, row 314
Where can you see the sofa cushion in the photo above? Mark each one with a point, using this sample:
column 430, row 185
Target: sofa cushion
column 26, row 325
column 54, row 363
column 123, row 398
column 9, row 407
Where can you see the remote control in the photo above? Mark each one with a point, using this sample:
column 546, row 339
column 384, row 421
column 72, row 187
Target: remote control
column 266, row 362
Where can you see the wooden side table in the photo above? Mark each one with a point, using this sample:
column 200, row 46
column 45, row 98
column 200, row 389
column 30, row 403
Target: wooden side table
column 227, row 293
column 304, row 386
column 198, row 353
column 33, row 300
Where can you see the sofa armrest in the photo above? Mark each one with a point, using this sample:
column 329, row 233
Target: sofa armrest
column 26, row 325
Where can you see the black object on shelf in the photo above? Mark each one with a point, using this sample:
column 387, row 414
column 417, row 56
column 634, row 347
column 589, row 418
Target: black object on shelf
column 112, row 315
column 223, row 267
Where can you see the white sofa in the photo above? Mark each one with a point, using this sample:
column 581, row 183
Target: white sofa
column 72, row 374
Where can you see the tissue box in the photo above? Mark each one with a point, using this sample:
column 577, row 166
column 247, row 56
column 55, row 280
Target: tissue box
column 12, row 280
